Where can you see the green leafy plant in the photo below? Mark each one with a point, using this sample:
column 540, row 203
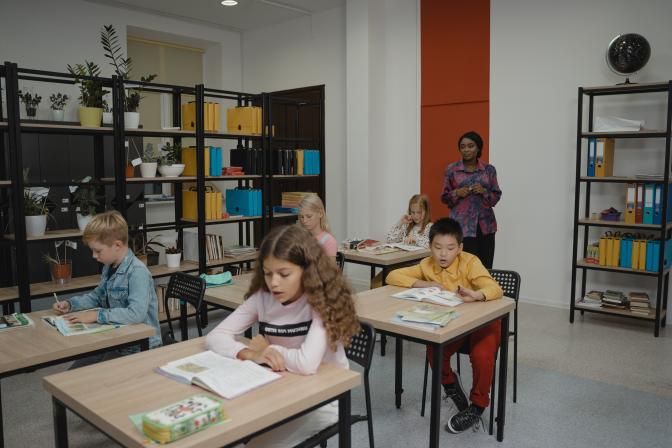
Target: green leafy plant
column 33, row 204
column 122, row 67
column 149, row 155
column 142, row 246
column 91, row 90
column 173, row 250
column 58, row 101
column 171, row 154
column 30, row 100
column 86, row 199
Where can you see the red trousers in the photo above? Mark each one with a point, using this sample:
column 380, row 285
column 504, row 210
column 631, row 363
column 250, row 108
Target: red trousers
column 483, row 345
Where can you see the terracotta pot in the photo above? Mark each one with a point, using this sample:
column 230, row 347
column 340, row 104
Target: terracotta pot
column 61, row 273
column 130, row 170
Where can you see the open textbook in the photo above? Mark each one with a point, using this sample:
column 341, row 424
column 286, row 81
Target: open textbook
column 384, row 248
column 425, row 316
column 431, row 295
column 223, row 376
column 16, row 320
column 67, row 328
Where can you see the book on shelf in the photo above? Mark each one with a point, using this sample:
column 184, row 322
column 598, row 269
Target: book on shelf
column 223, row 376
column 425, row 316
column 236, row 250
column 431, row 295
column 15, row 320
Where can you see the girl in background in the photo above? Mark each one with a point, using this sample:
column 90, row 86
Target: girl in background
column 413, row 227
column 313, row 218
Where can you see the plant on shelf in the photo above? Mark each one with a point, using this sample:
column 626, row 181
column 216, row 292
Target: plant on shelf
column 145, row 249
column 85, row 201
column 107, row 113
column 169, row 165
column 35, row 210
column 58, row 102
column 173, row 255
column 123, row 67
column 60, row 267
column 149, row 162
column 91, row 93
column 31, row 102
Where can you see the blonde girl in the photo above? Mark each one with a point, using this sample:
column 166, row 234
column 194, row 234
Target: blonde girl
column 413, row 226
column 313, row 218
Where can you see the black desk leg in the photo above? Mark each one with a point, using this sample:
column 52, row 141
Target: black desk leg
column 344, row 420
column 2, row 431
column 383, row 337
column 144, row 345
column 503, row 364
column 60, row 424
column 435, row 414
column 183, row 320
column 398, row 371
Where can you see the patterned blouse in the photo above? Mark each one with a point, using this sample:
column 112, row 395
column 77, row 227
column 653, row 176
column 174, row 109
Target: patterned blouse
column 474, row 209
column 399, row 232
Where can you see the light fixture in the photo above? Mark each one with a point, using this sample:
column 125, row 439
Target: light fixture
column 229, row 2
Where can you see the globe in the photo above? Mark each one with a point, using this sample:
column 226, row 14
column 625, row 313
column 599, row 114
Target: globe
column 628, row 53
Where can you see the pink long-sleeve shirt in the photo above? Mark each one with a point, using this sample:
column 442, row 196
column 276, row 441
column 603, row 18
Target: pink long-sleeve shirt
column 294, row 330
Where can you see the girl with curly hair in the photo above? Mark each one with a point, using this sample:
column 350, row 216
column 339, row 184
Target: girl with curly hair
column 306, row 316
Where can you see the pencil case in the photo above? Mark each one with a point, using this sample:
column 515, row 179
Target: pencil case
column 183, row 418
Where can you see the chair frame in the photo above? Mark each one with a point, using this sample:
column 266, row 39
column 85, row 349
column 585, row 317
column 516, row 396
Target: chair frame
column 178, row 281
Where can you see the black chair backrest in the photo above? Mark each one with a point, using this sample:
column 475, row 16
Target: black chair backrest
column 509, row 281
column 340, row 260
column 189, row 288
column 361, row 346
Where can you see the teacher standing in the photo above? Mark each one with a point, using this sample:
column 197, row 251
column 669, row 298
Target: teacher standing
column 471, row 190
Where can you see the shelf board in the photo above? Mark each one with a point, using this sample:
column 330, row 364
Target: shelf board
column 5, row 183
column 243, row 177
column 160, row 179
column 623, row 179
column 602, row 223
column 234, row 260
column 43, row 128
column 51, row 235
column 627, row 88
column 617, row 312
column 648, row 133
column 222, row 221
column 144, row 132
column 597, row 267
column 230, row 135
column 294, row 176
column 284, row 215
column 292, row 139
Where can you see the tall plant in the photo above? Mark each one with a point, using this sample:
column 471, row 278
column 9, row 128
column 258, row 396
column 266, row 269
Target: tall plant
column 122, row 67
column 91, row 90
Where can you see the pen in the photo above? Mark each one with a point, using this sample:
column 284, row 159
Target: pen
column 56, row 297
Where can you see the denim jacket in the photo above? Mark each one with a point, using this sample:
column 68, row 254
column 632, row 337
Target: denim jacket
column 127, row 297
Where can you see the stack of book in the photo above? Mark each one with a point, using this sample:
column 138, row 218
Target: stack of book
column 614, row 299
column 639, row 303
column 237, row 250
column 291, row 199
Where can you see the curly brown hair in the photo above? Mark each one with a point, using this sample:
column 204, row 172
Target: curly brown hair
column 328, row 293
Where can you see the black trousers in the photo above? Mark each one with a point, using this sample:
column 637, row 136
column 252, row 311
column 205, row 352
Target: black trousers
column 483, row 246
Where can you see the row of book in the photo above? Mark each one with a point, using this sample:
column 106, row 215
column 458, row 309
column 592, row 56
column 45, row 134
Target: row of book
column 243, row 201
column 629, row 251
column 644, row 203
column 250, row 160
column 213, row 203
column 211, row 116
column 213, row 161
column 636, row 302
column 244, row 120
column 296, row 162
column 216, row 249
column 600, row 157
column 292, row 199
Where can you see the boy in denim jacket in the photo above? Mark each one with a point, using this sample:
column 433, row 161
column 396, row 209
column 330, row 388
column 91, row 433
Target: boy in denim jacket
column 125, row 294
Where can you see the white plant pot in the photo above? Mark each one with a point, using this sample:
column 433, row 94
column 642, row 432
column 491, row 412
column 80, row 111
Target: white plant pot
column 148, row 169
column 57, row 115
column 131, row 120
column 36, row 225
column 83, row 220
column 173, row 260
column 107, row 118
column 173, row 170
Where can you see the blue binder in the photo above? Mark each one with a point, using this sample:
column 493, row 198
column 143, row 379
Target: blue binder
column 657, row 204
column 649, row 193
column 591, row 157
column 625, row 257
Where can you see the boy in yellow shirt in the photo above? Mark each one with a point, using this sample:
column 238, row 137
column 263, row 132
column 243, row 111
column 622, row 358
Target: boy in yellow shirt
column 451, row 269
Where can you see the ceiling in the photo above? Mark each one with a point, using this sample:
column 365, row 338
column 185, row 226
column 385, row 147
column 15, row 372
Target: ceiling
column 247, row 15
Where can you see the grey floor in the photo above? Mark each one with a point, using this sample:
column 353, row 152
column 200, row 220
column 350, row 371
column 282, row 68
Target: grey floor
column 602, row 382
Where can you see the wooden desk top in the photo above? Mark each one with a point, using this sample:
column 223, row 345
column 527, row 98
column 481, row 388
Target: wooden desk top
column 230, row 296
column 131, row 387
column 388, row 259
column 42, row 343
column 376, row 307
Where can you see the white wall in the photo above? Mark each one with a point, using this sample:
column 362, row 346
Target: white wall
column 541, row 52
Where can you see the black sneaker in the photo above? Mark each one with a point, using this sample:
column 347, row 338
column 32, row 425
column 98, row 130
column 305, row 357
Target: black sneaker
column 454, row 392
column 465, row 419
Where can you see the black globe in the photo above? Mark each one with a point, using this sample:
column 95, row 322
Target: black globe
column 628, row 53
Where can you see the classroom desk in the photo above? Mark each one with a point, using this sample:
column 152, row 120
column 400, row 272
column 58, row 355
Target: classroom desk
column 229, row 297
column 387, row 262
column 376, row 307
column 132, row 386
column 40, row 345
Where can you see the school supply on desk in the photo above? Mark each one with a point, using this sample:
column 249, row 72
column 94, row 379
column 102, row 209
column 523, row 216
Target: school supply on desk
column 432, row 295
column 16, row 320
column 425, row 316
column 214, row 280
column 180, row 419
column 225, row 377
column 67, row 328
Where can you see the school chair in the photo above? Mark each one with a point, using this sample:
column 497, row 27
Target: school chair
column 340, row 260
column 361, row 352
column 189, row 288
column 509, row 281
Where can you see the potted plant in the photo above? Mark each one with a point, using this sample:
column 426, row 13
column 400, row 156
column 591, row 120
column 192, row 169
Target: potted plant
column 58, row 102
column 149, row 162
column 107, row 113
column 168, row 162
column 123, row 67
column 91, row 93
column 145, row 249
column 173, row 256
column 35, row 211
column 85, row 201
column 60, row 267
column 31, row 102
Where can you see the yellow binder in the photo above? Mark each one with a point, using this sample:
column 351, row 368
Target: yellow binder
column 299, row 162
column 189, row 204
column 610, row 250
column 615, row 251
column 635, row 254
column 603, row 251
column 604, row 157
column 189, row 160
column 189, row 116
column 215, row 127
column 641, row 264
column 630, row 203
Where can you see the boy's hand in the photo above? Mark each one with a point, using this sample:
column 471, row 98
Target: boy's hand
column 85, row 317
column 469, row 295
column 61, row 307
